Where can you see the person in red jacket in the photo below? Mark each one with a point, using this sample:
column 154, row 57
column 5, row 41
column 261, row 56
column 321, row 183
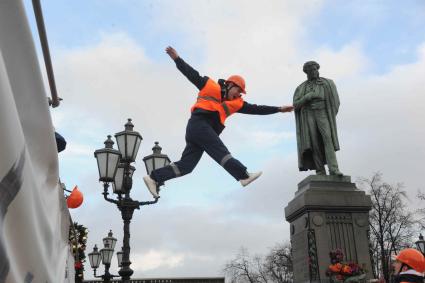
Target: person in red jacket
column 216, row 101
column 409, row 266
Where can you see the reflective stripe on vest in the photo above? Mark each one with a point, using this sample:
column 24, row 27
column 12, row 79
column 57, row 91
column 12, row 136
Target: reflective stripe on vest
column 224, row 105
column 226, row 109
column 210, row 98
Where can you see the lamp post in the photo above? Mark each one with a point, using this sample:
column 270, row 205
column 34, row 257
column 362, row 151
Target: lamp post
column 115, row 167
column 104, row 255
column 420, row 244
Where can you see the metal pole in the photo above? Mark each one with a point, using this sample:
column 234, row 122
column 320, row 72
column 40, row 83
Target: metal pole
column 45, row 48
column 127, row 209
column 107, row 276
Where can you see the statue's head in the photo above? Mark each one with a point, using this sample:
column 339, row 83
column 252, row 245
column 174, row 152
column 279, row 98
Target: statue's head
column 311, row 68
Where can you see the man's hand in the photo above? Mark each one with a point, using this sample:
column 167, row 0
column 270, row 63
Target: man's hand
column 286, row 108
column 172, row 52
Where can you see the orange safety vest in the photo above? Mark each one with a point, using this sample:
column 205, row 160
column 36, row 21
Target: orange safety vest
column 209, row 98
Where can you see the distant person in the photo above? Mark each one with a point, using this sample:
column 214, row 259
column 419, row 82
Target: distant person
column 409, row 266
column 215, row 102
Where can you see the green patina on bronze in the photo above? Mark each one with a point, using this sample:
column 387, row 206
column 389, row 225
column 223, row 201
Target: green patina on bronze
column 316, row 103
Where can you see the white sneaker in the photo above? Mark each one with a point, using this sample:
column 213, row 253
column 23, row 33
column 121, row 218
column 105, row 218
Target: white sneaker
column 152, row 187
column 252, row 177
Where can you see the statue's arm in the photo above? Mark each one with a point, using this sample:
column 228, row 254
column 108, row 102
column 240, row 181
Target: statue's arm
column 300, row 100
column 335, row 95
column 333, row 86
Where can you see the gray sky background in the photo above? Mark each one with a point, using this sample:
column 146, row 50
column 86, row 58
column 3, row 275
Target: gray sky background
column 110, row 65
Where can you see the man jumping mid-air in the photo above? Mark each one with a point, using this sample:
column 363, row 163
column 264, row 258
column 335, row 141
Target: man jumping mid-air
column 215, row 102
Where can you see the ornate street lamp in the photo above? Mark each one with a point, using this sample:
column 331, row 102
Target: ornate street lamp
column 156, row 159
column 128, row 142
column 109, row 241
column 420, row 244
column 119, row 257
column 121, row 177
column 118, row 184
column 107, row 161
column 95, row 258
column 105, row 255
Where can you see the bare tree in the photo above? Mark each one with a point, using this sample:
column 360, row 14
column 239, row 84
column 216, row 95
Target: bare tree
column 278, row 263
column 421, row 211
column 391, row 223
column 242, row 269
column 276, row 266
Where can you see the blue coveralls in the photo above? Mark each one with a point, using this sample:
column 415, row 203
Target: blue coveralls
column 202, row 134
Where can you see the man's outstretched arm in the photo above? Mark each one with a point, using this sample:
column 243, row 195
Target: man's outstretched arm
column 186, row 69
column 255, row 109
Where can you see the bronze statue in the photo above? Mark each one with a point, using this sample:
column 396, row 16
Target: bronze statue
column 316, row 105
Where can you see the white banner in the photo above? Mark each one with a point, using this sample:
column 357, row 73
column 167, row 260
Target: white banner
column 34, row 218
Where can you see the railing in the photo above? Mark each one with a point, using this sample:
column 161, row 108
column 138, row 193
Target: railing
column 168, row 280
column 55, row 100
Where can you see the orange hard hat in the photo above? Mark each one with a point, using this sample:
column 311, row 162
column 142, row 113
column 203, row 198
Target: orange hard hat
column 412, row 258
column 75, row 199
column 237, row 80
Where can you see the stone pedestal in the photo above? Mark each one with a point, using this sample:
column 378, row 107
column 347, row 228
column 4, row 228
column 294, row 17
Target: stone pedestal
column 327, row 212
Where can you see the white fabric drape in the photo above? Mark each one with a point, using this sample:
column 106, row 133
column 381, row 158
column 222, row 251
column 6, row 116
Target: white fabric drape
column 34, row 219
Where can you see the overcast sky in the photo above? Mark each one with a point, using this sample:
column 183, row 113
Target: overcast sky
column 110, row 65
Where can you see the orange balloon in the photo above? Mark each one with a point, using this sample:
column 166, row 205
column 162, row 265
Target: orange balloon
column 75, row 199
